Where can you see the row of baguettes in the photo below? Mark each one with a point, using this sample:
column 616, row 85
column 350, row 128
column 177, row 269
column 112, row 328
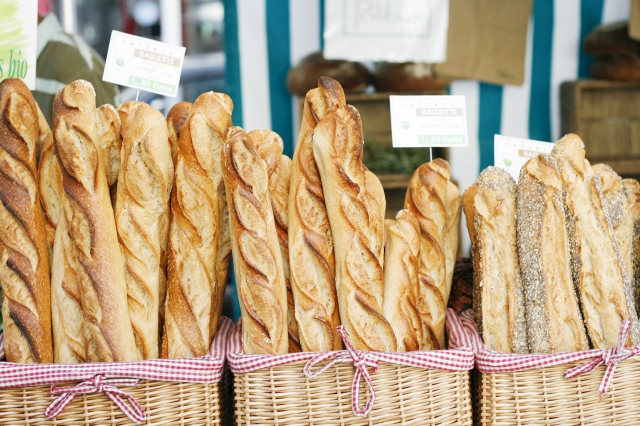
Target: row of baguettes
column 555, row 256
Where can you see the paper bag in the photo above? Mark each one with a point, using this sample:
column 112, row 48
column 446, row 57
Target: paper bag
column 487, row 40
column 634, row 20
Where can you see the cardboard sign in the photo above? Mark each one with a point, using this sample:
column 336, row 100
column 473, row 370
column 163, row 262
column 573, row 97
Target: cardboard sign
column 634, row 20
column 143, row 64
column 428, row 121
column 18, row 35
column 487, row 41
column 512, row 153
column 386, row 30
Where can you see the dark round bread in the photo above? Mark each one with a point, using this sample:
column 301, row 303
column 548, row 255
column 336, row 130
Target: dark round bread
column 406, row 77
column 352, row 76
column 610, row 40
column 623, row 67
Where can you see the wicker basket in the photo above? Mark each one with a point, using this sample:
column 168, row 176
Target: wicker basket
column 196, row 400
column 283, row 395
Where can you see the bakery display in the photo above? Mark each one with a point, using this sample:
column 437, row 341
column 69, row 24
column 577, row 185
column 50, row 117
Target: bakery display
column 24, row 253
column 256, row 248
column 498, row 300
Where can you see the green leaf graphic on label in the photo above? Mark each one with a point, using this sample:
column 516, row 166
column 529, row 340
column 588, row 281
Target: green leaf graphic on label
column 119, row 62
column 12, row 40
column 405, row 124
column 507, row 162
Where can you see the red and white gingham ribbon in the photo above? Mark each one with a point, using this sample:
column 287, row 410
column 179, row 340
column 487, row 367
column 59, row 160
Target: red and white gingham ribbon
column 97, row 384
column 609, row 357
column 361, row 360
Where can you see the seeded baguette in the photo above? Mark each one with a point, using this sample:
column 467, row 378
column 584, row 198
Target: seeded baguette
column 632, row 191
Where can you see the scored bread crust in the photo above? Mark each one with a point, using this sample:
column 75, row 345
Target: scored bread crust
column 256, row 251
column 50, row 187
column 24, row 263
column 269, row 146
column 597, row 267
column 108, row 128
column 176, row 118
column 44, row 134
column 452, row 233
column 554, row 321
column 402, row 248
column 498, row 294
column 426, row 199
column 310, row 238
column 89, row 215
column 144, row 186
column 192, row 285
column 632, row 191
column 338, row 150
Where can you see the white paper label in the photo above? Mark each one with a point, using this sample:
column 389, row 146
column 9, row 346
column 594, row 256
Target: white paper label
column 428, row 121
column 18, row 35
column 512, row 153
column 143, row 64
column 386, row 30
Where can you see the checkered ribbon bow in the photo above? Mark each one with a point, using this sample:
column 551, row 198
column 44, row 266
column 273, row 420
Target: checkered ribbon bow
column 97, row 384
column 361, row 360
column 610, row 357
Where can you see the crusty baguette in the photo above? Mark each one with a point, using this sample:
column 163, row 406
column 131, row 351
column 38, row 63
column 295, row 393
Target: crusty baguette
column 257, row 259
column 498, row 301
column 89, row 215
column 452, row 233
column 44, row 134
column 108, row 128
column 144, row 186
column 50, row 187
column 598, row 270
column 24, row 254
column 554, row 321
column 192, row 289
column 426, row 199
column 376, row 203
column 402, row 248
column 310, row 239
column 338, row 148
column 176, row 118
column 632, row 191
column 269, row 147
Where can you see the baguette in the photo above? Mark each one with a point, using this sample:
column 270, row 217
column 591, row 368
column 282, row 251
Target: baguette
column 256, row 252
column 554, row 321
column 402, row 248
column 452, row 233
column 24, row 254
column 108, row 128
column 144, row 186
column 338, row 148
column 44, row 134
column 50, row 187
column 632, row 191
column 310, row 240
column 192, row 285
column 88, row 212
column 597, row 267
column 426, row 199
column 269, row 146
column 498, row 301
column 176, row 118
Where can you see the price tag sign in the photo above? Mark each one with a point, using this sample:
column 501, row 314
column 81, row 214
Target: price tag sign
column 428, row 121
column 143, row 64
column 18, row 35
column 512, row 153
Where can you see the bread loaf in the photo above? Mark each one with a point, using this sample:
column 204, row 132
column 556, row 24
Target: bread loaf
column 176, row 118
column 452, row 232
column 50, row 187
column 256, row 252
column 108, row 127
column 310, row 239
column 269, row 146
column 597, row 269
column 338, row 149
column 144, row 186
column 24, row 255
column 402, row 248
column 89, row 215
column 427, row 200
column 376, row 204
column 498, row 301
column 353, row 76
column 192, row 286
column 44, row 134
column 554, row 322
column 632, row 191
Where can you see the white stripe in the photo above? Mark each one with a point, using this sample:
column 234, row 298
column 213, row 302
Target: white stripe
column 254, row 67
column 565, row 53
column 465, row 162
column 304, row 24
column 51, row 87
column 515, row 99
column 615, row 11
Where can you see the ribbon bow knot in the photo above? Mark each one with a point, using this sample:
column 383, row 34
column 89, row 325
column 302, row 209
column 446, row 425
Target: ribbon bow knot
column 609, row 357
column 361, row 360
column 100, row 384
